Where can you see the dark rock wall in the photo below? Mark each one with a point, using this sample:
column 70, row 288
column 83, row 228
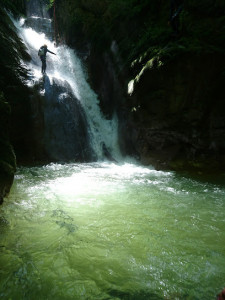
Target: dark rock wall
column 109, row 90
column 173, row 115
column 59, row 126
column 14, row 101
column 174, row 118
column 7, row 156
column 178, row 113
column 36, row 8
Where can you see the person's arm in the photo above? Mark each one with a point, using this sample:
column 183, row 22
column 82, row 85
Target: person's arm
column 50, row 52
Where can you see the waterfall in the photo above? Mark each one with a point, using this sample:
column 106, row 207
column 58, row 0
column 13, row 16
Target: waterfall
column 65, row 90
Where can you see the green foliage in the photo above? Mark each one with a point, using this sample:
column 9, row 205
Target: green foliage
column 141, row 27
column 17, row 7
column 82, row 18
column 49, row 3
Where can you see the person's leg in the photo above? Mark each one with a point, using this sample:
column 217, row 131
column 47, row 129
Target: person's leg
column 44, row 66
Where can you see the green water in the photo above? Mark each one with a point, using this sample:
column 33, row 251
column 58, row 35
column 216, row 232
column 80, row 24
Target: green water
column 102, row 231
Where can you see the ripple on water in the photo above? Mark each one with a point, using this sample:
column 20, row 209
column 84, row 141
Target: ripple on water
column 107, row 231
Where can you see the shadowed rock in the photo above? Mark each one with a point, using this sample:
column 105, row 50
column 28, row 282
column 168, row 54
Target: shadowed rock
column 60, row 126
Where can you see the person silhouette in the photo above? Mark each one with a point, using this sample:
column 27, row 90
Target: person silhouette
column 42, row 54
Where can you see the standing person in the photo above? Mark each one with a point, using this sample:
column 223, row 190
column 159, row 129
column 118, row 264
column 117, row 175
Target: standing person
column 42, row 54
column 176, row 7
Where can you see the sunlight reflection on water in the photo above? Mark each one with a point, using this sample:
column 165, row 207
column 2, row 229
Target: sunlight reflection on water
column 99, row 229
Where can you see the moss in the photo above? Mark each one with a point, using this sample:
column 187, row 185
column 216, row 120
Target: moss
column 175, row 83
column 141, row 27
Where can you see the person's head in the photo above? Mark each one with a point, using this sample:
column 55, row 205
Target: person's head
column 45, row 46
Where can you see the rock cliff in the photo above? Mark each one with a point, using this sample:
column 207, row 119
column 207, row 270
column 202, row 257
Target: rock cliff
column 59, row 126
column 166, row 85
column 13, row 98
column 7, row 156
column 41, row 121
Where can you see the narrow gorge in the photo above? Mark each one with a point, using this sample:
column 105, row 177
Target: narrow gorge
column 112, row 162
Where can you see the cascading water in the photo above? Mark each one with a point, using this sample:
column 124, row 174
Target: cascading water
column 100, row 230
column 65, row 70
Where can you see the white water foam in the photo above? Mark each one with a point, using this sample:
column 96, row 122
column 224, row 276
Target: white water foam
column 66, row 66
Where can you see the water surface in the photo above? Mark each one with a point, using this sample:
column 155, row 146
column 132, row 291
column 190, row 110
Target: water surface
column 107, row 231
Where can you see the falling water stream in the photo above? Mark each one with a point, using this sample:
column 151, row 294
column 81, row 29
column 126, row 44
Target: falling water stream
column 106, row 230
column 67, row 68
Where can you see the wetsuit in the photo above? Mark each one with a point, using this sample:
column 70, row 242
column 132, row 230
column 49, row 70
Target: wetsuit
column 42, row 56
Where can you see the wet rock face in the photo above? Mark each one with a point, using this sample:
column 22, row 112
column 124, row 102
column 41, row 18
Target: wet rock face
column 43, row 25
column 12, row 52
column 175, row 116
column 36, row 8
column 105, row 82
column 59, row 124
column 178, row 113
